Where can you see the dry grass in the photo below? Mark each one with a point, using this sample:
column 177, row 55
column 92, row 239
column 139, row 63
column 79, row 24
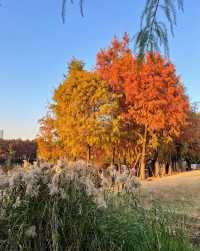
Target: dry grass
column 180, row 192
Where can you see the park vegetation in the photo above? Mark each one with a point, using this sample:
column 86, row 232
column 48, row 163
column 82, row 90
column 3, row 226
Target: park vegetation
column 124, row 111
column 70, row 207
column 15, row 151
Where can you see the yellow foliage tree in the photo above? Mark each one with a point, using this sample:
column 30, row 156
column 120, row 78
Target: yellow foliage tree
column 85, row 113
column 49, row 147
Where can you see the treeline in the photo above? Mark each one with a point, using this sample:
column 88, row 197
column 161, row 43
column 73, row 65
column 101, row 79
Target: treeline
column 17, row 150
column 127, row 111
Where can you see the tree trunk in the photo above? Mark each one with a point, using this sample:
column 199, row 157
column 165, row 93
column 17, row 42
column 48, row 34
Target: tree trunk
column 89, row 153
column 188, row 164
column 113, row 156
column 136, row 162
column 125, row 159
column 173, row 165
column 143, row 161
column 180, row 165
column 170, row 168
column 163, row 169
column 157, row 168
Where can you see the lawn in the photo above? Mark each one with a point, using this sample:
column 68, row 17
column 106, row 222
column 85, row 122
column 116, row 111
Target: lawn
column 179, row 192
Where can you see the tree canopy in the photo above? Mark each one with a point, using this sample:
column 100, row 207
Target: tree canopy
column 120, row 112
column 154, row 97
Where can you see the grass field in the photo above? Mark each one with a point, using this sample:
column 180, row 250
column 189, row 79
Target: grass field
column 179, row 192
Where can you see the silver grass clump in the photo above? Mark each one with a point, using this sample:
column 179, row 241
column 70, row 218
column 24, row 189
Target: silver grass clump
column 56, row 179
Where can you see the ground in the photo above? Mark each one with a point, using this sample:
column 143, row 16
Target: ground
column 179, row 192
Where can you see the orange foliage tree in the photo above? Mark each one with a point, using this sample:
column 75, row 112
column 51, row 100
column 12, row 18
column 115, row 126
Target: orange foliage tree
column 156, row 100
column 113, row 66
column 153, row 96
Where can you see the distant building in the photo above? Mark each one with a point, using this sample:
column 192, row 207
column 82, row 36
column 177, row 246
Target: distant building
column 1, row 134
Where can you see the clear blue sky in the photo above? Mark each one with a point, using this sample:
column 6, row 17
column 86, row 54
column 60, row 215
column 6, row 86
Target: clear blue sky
column 35, row 47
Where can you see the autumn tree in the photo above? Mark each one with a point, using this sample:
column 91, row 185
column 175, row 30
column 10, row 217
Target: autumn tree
column 188, row 144
column 125, row 110
column 153, row 97
column 156, row 99
column 49, row 146
column 85, row 113
column 113, row 65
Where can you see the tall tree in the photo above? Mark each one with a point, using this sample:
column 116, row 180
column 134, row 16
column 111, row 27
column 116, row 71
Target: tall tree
column 113, row 65
column 84, row 112
column 156, row 99
column 153, row 97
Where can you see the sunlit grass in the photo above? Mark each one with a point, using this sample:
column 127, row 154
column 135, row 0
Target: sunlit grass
column 179, row 193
